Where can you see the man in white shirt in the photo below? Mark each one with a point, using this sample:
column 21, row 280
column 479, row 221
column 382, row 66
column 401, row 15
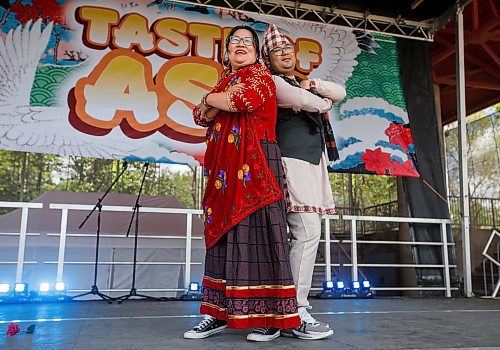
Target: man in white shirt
column 301, row 128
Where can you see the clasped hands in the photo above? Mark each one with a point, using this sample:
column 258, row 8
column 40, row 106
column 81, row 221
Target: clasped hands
column 205, row 108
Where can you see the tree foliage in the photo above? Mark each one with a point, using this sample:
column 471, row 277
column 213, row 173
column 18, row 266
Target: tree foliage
column 43, row 172
column 37, row 168
column 367, row 190
column 483, row 155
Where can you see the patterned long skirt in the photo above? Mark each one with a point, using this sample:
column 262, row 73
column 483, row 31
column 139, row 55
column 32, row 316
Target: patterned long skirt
column 248, row 281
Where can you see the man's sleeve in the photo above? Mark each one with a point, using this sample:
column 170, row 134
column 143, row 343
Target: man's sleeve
column 289, row 96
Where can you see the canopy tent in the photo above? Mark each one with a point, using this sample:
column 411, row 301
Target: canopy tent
column 48, row 220
column 160, row 259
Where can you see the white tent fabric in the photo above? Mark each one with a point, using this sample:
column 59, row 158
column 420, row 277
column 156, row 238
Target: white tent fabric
column 43, row 247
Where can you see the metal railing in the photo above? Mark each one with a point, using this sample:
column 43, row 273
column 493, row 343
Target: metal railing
column 354, row 242
column 188, row 238
column 22, row 234
column 491, row 262
column 485, row 212
column 389, row 209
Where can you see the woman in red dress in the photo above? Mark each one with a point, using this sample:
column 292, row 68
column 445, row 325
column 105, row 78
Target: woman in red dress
column 248, row 281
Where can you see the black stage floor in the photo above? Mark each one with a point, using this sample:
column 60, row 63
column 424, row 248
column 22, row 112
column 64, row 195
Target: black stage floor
column 400, row 323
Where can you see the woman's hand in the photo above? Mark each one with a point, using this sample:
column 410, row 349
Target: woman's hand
column 204, row 115
column 237, row 87
column 203, row 109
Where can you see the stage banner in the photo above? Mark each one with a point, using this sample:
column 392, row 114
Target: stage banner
column 119, row 79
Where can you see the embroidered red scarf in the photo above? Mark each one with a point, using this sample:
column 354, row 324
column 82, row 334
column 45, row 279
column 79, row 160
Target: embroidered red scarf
column 239, row 180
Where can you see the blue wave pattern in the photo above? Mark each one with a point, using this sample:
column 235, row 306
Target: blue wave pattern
column 351, row 161
column 397, row 159
column 387, row 144
column 164, row 160
column 343, row 143
column 375, row 111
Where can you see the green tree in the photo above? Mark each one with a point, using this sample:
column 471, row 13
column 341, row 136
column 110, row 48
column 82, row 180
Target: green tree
column 367, row 190
column 482, row 153
column 26, row 175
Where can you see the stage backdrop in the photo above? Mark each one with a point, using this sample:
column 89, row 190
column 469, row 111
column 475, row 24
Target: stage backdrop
column 118, row 80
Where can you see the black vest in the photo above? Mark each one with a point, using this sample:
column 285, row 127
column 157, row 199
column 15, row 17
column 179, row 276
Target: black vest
column 300, row 135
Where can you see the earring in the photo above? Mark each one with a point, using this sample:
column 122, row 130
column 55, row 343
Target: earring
column 225, row 59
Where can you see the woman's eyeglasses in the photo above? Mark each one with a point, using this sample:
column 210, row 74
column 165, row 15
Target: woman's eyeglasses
column 280, row 51
column 235, row 40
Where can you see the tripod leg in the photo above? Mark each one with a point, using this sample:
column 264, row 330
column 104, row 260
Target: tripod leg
column 133, row 290
column 82, row 295
column 93, row 289
column 148, row 297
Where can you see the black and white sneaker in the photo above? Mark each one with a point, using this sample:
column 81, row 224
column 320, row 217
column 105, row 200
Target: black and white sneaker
column 263, row 334
column 208, row 326
column 310, row 329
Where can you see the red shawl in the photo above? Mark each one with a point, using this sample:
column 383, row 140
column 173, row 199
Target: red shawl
column 239, row 180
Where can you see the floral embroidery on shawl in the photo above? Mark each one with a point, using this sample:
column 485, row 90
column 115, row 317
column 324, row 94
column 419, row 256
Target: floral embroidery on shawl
column 230, row 202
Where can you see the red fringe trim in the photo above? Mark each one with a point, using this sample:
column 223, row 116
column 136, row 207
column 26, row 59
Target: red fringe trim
column 248, row 293
column 214, row 284
column 261, row 293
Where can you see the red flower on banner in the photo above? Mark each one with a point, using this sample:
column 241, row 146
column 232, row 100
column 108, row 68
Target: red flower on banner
column 47, row 10
column 405, row 169
column 399, row 135
column 13, row 329
column 377, row 161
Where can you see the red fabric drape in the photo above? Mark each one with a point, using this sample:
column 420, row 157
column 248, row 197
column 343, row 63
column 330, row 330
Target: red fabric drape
column 239, row 181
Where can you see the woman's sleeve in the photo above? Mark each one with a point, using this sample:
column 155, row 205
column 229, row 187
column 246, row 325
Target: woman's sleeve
column 333, row 91
column 289, row 96
column 259, row 88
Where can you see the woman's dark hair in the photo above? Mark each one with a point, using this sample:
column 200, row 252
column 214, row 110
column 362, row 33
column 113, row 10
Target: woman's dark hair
column 254, row 35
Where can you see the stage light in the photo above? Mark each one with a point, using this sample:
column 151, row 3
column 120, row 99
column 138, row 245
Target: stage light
column 193, row 292
column 338, row 289
column 44, row 287
column 4, row 288
column 60, row 287
column 339, row 285
column 194, row 287
column 331, row 290
column 328, row 285
column 361, row 289
column 21, row 288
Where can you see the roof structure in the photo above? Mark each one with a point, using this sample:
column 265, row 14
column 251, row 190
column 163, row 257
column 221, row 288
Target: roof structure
column 426, row 20
column 482, row 59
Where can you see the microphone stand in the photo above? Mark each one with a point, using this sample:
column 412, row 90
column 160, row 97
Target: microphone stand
column 135, row 214
column 93, row 289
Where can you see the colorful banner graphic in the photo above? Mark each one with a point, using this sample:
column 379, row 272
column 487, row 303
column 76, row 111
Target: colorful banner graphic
column 118, row 80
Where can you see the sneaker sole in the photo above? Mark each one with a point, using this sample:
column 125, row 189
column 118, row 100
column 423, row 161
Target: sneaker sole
column 288, row 335
column 260, row 338
column 312, row 335
column 194, row 335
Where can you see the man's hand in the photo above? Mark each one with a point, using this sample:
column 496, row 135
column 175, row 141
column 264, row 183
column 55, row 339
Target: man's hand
column 305, row 84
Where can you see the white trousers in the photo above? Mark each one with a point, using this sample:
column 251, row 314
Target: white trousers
column 306, row 232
